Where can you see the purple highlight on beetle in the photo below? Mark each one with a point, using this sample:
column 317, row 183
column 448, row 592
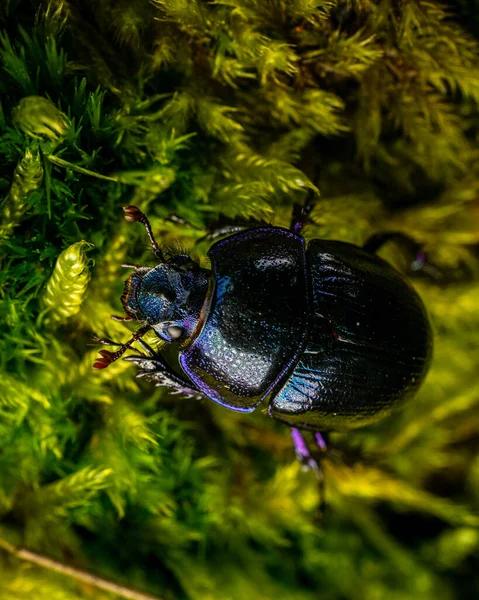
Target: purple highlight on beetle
column 419, row 262
column 297, row 227
column 320, row 441
column 299, row 443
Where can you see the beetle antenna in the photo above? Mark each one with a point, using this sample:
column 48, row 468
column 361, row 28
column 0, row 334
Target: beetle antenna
column 108, row 357
column 133, row 214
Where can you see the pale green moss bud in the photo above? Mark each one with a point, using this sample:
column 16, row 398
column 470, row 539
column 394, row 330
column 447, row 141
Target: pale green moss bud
column 28, row 176
column 38, row 117
column 67, row 287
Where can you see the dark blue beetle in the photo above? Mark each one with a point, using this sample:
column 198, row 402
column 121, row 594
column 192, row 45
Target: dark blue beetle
column 330, row 334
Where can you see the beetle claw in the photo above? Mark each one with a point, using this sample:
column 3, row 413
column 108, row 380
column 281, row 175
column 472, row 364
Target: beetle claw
column 139, row 361
column 144, row 362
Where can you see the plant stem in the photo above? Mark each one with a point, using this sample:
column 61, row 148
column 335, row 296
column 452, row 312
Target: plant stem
column 74, row 573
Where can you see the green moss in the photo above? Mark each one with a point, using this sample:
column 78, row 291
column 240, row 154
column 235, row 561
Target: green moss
column 235, row 107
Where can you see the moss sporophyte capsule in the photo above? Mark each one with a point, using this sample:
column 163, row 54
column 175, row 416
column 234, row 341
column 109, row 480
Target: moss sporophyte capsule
column 329, row 333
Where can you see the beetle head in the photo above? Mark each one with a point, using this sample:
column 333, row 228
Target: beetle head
column 168, row 297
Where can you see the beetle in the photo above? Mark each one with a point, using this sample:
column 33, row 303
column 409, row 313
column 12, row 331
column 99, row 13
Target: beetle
column 328, row 332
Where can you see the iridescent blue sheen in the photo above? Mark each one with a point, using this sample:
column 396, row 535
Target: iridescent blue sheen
column 159, row 294
column 331, row 335
column 369, row 346
column 167, row 295
column 257, row 320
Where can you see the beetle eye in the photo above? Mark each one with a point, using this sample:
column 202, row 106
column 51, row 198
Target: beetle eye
column 174, row 332
column 166, row 295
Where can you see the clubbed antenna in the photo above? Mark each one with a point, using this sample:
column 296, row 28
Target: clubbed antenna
column 133, row 215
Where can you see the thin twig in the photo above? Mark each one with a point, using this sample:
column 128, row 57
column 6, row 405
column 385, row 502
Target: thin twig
column 73, row 573
column 60, row 162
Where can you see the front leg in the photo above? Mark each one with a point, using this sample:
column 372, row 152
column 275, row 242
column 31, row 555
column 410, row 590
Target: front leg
column 221, row 227
column 155, row 368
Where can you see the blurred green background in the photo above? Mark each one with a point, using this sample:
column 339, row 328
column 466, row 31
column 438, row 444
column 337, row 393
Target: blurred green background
column 232, row 107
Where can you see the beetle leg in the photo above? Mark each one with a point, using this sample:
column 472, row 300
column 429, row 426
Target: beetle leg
column 172, row 218
column 227, row 226
column 320, row 441
column 412, row 247
column 377, row 241
column 303, row 453
column 223, row 226
column 307, row 461
column 155, row 368
column 216, row 232
column 302, row 212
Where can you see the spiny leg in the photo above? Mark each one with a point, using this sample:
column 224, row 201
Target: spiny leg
column 221, row 227
column 172, row 218
column 155, row 368
column 302, row 212
column 412, row 247
column 226, row 226
column 214, row 232
column 219, row 231
column 378, row 240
